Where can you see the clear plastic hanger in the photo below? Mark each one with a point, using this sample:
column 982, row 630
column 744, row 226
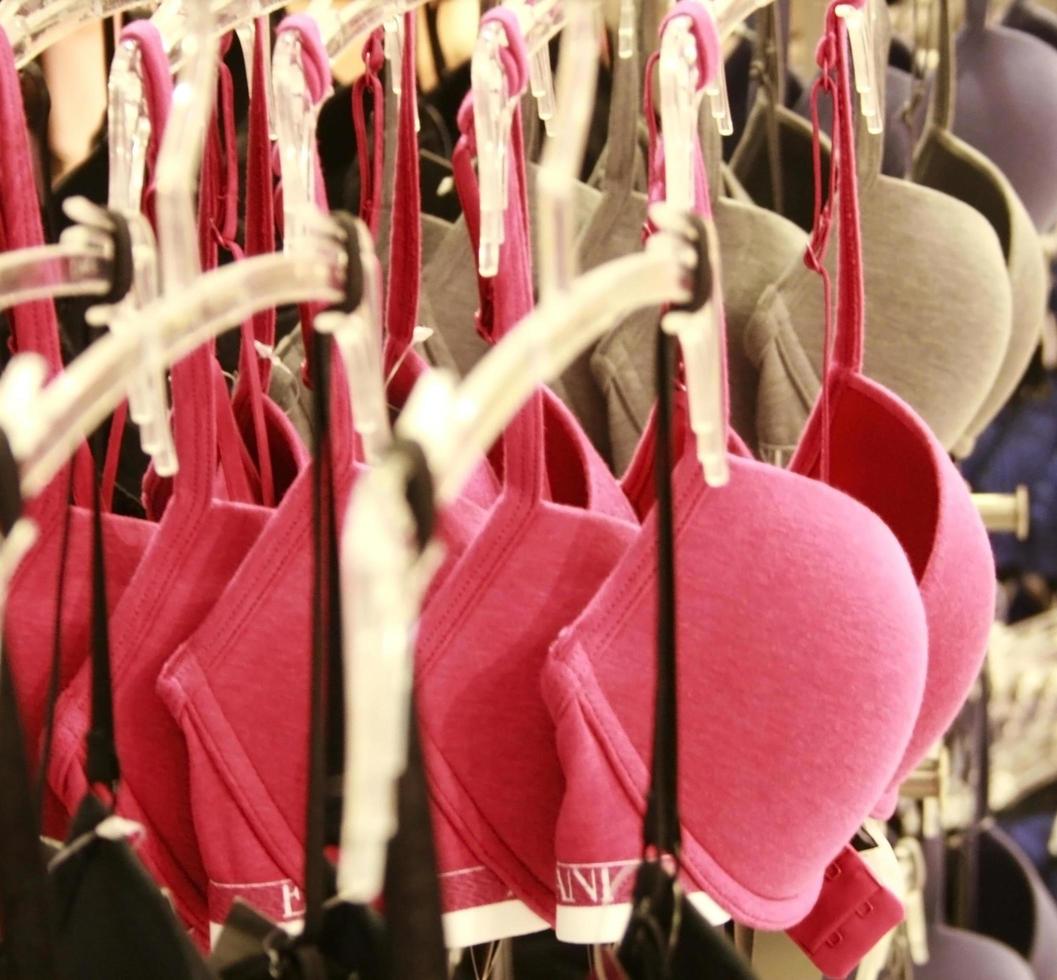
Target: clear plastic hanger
column 129, row 135
column 700, row 331
column 358, row 336
column 494, row 112
column 384, row 579
column 79, row 264
column 858, row 17
column 341, row 25
column 567, row 141
column 34, row 25
column 57, row 419
column 295, row 127
column 716, row 89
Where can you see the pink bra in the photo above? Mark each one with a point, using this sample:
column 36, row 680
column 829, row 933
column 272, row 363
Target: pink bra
column 61, row 511
column 870, row 444
column 548, row 543
column 244, row 741
column 200, row 541
column 781, row 705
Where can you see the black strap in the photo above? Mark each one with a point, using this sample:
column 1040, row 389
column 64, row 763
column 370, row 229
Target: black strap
column 661, row 829
column 55, row 670
column 102, row 766
column 10, row 494
column 26, row 949
column 326, row 720
column 122, row 266
column 412, row 889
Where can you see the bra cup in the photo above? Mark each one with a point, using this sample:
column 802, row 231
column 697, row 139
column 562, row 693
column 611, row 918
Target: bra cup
column 937, row 348
column 30, row 615
column 847, row 685
column 622, row 362
column 764, row 244
column 948, row 164
column 788, row 383
column 910, row 482
column 1003, row 109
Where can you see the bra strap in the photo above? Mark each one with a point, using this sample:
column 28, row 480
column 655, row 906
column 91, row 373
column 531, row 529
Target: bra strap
column 844, row 343
column 27, row 946
column 101, row 766
column 255, row 367
column 943, row 97
column 326, row 722
column 28, row 943
column 662, row 833
column 194, row 378
column 370, row 147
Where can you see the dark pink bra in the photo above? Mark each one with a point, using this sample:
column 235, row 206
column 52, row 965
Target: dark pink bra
column 244, row 741
column 868, row 443
column 802, row 647
column 559, row 526
column 205, row 529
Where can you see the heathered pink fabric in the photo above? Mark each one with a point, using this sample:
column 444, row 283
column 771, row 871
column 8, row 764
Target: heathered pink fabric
column 239, row 686
column 802, row 643
column 559, row 526
column 867, row 442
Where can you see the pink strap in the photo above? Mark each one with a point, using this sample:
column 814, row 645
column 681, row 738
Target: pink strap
column 517, row 67
column 843, row 337
column 155, row 70
column 370, row 149
column 254, row 369
column 844, row 350
column 507, row 297
column 314, row 61
column 34, row 326
column 194, row 416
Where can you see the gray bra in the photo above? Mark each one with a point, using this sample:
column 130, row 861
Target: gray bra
column 938, row 303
